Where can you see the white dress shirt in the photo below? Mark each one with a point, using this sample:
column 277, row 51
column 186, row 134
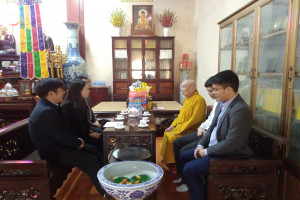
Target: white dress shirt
column 205, row 125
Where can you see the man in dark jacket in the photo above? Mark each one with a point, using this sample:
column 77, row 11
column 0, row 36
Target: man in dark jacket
column 227, row 135
column 52, row 138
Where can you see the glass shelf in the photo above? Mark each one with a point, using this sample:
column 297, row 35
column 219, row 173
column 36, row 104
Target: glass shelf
column 150, row 75
column 136, row 44
column 165, row 74
column 246, row 43
column 166, row 44
column 120, row 74
column 165, row 64
column 273, row 35
column 270, row 74
column 226, row 48
column 150, row 44
column 136, row 74
column 120, row 44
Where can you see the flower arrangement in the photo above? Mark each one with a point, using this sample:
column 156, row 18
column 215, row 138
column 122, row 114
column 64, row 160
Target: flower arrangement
column 117, row 17
column 140, row 86
column 167, row 18
column 186, row 64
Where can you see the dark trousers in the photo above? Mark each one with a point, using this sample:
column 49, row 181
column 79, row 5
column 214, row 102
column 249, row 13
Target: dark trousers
column 95, row 142
column 89, row 160
column 182, row 144
column 193, row 169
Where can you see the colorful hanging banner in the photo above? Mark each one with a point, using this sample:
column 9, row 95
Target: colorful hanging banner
column 33, row 58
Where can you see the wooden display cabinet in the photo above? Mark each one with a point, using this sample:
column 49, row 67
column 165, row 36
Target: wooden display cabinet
column 99, row 94
column 261, row 43
column 25, row 88
column 148, row 59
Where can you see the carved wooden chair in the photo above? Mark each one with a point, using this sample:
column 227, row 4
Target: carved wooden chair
column 249, row 178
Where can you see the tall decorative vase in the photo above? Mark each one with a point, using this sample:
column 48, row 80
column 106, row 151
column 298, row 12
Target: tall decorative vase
column 75, row 65
column 118, row 31
column 167, row 31
column 185, row 76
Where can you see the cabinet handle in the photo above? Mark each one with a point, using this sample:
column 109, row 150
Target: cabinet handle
column 290, row 74
column 250, row 74
column 253, row 72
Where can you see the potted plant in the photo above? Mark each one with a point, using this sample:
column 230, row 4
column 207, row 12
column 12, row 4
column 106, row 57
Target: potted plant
column 117, row 18
column 167, row 20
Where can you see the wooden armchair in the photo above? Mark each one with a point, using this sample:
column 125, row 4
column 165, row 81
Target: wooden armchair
column 23, row 175
column 249, row 178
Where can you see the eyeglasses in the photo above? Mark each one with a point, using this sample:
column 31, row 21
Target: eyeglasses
column 217, row 89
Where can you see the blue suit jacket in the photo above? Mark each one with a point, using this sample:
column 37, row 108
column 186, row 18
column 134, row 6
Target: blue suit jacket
column 233, row 131
column 48, row 131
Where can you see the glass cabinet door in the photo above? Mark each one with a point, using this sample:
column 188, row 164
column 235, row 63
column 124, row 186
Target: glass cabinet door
column 271, row 59
column 165, row 59
column 294, row 145
column 243, row 59
column 136, row 59
column 120, row 59
column 226, row 48
column 150, row 58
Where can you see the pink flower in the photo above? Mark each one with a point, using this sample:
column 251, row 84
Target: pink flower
column 168, row 18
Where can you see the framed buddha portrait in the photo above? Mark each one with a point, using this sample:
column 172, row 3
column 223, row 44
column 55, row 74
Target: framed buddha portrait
column 142, row 20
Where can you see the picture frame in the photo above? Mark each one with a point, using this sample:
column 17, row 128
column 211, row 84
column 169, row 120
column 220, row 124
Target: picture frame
column 142, row 20
column 25, row 88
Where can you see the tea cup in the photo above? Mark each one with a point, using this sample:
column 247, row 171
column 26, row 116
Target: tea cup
column 120, row 116
column 143, row 123
column 146, row 118
column 124, row 111
column 146, row 112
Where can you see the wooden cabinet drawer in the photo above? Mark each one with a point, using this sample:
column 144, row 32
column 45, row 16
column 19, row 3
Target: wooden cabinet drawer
column 121, row 85
column 165, row 85
column 121, row 91
column 166, row 91
column 153, row 89
column 99, row 94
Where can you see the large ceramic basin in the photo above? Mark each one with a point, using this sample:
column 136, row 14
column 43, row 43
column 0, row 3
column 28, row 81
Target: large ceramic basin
column 129, row 169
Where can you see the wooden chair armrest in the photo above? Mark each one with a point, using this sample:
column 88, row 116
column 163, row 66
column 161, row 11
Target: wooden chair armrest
column 227, row 166
column 24, row 168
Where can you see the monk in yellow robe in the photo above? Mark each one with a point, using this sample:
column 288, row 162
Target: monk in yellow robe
column 192, row 114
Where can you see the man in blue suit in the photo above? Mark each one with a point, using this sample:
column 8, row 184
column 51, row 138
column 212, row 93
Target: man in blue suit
column 52, row 138
column 227, row 135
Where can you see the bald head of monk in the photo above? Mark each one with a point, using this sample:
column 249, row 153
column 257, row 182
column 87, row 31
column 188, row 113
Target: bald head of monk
column 188, row 88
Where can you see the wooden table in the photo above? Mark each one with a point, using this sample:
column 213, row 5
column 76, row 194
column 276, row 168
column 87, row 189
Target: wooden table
column 117, row 106
column 163, row 118
column 132, row 134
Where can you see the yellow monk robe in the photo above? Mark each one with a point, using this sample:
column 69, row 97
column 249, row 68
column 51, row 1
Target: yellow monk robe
column 192, row 114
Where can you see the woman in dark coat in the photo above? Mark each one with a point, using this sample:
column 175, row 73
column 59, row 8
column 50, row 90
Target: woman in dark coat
column 76, row 113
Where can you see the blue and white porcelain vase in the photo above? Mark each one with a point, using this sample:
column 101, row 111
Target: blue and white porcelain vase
column 75, row 65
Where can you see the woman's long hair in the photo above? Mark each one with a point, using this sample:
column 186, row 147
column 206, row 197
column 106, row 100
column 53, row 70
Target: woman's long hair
column 74, row 95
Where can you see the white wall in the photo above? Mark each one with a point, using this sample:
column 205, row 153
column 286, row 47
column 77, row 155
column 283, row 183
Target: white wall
column 196, row 31
column 98, row 32
column 208, row 14
column 53, row 14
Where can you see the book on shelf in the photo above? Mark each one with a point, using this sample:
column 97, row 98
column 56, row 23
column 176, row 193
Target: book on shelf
column 276, row 99
column 271, row 100
column 298, row 113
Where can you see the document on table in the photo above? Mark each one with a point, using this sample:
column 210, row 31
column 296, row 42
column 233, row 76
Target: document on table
column 158, row 108
column 111, row 124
